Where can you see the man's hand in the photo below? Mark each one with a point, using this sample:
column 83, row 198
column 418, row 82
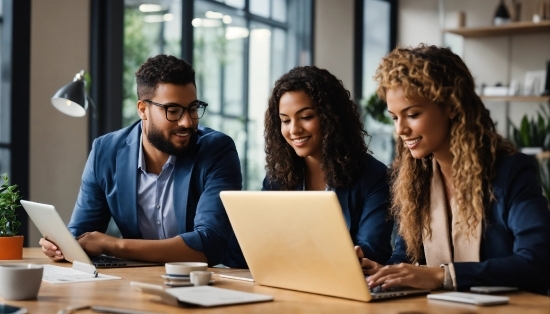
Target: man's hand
column 97, row 243
column 407, row 275
column 51, row 250
column 369, row 267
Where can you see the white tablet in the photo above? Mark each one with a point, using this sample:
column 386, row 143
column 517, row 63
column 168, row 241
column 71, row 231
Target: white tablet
column 471, row 298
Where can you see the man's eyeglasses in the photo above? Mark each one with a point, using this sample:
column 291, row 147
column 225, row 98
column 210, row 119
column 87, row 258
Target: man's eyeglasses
column 175, row 112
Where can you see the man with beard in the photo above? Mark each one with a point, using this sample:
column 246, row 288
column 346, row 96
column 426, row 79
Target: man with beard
column 159, row 179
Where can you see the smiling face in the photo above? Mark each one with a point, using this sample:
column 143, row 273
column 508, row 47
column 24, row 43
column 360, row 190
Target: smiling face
column 300, row 124
column 171, row 138
column 424, row 126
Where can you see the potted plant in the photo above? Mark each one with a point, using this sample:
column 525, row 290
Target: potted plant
column 380, row 127
column 11, row 244
column 544, row 173
column 377, row 109
column 532, row 137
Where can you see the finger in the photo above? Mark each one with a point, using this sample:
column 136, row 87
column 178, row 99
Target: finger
column 359, row 251
column 380, row 274
column 369, row 271
column 47, row 244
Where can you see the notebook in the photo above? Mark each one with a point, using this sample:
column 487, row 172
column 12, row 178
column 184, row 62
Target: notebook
column 299, row 240
column 206, row 296
column 52, row 228
column 471, row 298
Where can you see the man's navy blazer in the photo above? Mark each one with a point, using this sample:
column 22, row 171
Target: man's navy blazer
column 109, row 189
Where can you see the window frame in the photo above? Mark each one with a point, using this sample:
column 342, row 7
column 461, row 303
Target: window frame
column 16, row 22
column 359, row 33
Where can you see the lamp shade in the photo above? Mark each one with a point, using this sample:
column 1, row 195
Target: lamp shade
column 71, row 99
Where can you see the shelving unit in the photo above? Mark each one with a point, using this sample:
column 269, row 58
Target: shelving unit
column 516, row 98
column 516, row 28
column 511, row 29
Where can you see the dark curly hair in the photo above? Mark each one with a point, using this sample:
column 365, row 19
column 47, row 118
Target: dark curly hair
column 162, row 69
column 343, row 146
column 440, row 76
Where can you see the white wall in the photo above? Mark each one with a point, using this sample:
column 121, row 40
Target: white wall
column 333, row 42
column 58, row 143
column 490, row 59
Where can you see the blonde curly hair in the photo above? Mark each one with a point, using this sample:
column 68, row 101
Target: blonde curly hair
column 440, row 76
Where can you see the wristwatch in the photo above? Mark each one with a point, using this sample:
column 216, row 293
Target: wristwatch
column 447, row 280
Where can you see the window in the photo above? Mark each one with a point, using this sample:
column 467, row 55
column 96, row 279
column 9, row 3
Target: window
column 15, row 17
column 239, row 49
column 149, row 29
column 5, row 114
column 376, row 29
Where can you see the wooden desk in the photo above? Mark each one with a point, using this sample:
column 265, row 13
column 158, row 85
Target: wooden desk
column 118, row 293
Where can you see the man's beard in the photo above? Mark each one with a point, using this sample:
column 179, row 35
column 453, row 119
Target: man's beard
column 157, row 139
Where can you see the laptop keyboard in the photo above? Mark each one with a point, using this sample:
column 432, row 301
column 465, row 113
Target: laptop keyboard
column 379, row 289
column 379, row 293
column 107, row 262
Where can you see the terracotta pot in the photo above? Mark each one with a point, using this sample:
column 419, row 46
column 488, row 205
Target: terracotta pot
column 11, row 248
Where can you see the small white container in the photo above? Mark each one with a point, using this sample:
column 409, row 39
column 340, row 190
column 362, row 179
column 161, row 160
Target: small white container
column 181, row 269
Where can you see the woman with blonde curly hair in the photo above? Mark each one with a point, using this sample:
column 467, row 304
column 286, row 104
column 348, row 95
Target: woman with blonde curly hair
column 468, row 205
column 315, row 140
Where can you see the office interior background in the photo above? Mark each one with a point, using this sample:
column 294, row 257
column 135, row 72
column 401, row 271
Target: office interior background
column 238, row 49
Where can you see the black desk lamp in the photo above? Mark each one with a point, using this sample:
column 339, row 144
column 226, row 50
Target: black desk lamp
column 72, row 99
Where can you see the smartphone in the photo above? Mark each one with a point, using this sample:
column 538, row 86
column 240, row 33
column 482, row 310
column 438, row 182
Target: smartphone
column 9, row 309
column 492, row 289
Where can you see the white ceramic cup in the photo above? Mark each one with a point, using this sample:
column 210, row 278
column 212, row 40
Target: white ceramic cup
column 200, row 277
column 181, row 269
column 20, row 281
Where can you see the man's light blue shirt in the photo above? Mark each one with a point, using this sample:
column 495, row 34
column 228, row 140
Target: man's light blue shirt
column 156, row 216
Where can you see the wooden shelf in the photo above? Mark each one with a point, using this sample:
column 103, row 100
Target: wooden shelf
column 516, row 98
column 503, row 30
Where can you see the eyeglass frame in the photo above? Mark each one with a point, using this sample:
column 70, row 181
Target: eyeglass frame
column 197, row 103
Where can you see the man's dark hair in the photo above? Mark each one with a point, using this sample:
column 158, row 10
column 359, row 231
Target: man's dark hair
column 162, row 69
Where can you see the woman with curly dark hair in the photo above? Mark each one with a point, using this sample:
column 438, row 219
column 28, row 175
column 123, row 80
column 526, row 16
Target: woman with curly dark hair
column 315, row 140
column 468, row 205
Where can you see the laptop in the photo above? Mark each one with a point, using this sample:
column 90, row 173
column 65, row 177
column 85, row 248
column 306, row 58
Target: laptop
column 52, row 227
column 299, row 240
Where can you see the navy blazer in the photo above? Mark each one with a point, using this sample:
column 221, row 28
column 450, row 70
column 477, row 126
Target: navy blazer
column 109, row 189
column 365, row 209
column 515, row 243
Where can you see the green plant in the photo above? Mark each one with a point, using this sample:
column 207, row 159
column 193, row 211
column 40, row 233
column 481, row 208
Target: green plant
column 544, row 176
column 9, row 201
column 377, row 109
column 534, row 132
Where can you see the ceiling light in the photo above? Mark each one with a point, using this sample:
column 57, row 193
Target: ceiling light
column 213, row 15
column 227, row 19
column 150, row 8
column 236, row 33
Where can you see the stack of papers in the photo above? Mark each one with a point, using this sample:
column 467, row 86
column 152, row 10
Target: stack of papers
column 58, row 274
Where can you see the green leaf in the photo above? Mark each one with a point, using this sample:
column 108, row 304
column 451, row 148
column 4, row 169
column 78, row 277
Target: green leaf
column 9, row 202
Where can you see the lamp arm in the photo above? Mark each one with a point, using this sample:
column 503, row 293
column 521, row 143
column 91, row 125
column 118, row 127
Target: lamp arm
column 95, row 114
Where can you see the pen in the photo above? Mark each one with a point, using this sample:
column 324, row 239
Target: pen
column 87, row 268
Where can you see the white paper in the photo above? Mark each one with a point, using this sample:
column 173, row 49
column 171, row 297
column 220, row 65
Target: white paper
column 58, row 274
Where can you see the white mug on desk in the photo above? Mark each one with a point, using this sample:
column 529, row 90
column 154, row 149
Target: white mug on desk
column 200, row 277
column 20, row 281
